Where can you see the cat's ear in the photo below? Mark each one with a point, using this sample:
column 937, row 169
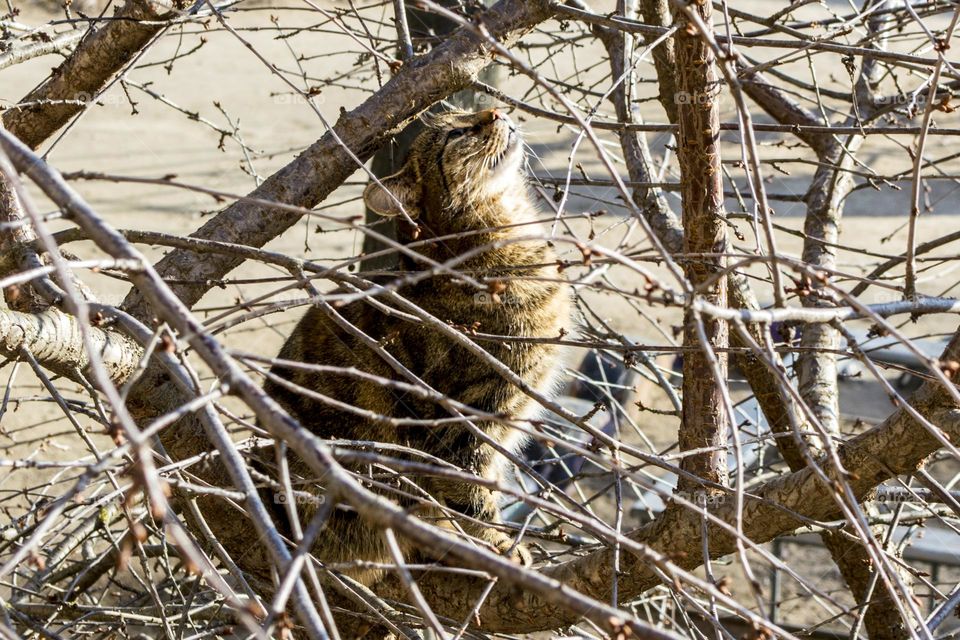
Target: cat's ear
column 403, row 190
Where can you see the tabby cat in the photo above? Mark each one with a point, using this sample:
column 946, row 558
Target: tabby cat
column 463, row 185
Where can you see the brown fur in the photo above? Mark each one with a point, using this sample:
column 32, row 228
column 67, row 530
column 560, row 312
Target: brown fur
column 462, row 174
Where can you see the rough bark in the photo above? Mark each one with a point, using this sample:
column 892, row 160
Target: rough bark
column 882, row 619
column 657, row 12
column 781, row 412
column 54, row 339
column 15, row 252
column 704, row 423
column 72, row 85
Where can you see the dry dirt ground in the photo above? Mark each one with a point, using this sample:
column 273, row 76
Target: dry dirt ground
column 226, row 86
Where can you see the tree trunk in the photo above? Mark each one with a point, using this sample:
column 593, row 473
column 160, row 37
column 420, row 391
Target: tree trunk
column 704, row 424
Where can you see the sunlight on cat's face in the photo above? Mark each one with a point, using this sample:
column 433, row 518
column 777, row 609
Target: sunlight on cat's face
column 459, row 161
column 485, row 146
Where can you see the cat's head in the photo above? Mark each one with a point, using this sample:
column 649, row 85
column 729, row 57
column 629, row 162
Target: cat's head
column 460, row 159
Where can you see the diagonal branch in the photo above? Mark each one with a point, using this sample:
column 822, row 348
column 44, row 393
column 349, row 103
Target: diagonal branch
column 314, row 451
column 782, row 108
column 870, row 458
column 316, row 172
column 100, row 55
column 898, row 446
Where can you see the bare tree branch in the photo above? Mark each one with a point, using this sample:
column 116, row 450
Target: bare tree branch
column 54, row 339
column 320, row 169
column 77, row 81
column 84, row 514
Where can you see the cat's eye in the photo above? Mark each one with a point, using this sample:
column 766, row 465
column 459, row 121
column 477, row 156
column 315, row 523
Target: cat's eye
column 456, row 133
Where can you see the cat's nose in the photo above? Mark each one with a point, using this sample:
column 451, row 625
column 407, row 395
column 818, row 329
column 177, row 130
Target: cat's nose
column 490, row 116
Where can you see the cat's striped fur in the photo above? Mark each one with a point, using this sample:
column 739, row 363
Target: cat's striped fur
column 464, row 174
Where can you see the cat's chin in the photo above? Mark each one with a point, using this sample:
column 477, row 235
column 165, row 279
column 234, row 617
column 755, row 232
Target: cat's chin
column 508, row 166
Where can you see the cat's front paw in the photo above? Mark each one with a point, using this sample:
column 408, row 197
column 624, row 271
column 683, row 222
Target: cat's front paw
column 507, row 546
